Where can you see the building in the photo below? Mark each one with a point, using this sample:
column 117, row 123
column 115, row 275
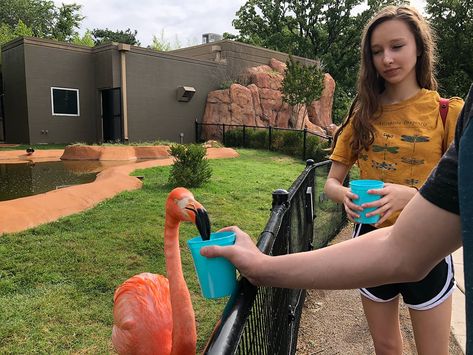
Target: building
column 56, row 92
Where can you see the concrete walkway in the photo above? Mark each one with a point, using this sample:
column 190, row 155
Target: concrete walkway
column 458, row 312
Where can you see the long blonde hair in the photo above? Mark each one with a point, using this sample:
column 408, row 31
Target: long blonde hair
column 366, row 106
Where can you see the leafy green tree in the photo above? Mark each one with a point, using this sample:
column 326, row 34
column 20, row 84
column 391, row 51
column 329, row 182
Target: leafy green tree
column 42, row 17
column 453, row 24
column 329, row 31
column 301, row 85
column 106, row 36
column 68, row 18
column 85, row 40
column 7, row 33
column 160, row 44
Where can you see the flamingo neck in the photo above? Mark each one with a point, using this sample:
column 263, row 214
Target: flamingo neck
column 184, row 336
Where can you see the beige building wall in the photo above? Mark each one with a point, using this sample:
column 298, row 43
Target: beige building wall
column 31, row 66
column 237, row 56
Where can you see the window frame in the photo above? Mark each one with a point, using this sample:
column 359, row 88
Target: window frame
column 65, row 114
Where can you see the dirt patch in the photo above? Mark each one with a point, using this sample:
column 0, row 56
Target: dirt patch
column 333, row 323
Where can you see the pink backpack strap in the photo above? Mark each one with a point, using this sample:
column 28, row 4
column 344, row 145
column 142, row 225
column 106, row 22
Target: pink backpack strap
column 443, row 108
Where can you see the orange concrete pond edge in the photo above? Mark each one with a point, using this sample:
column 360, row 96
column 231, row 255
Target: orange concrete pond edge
column 28, row 212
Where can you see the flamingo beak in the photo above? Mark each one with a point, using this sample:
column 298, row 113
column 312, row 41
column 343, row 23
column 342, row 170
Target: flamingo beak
column 202, row 222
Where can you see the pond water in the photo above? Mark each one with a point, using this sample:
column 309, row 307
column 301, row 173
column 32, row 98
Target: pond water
column 26, row 179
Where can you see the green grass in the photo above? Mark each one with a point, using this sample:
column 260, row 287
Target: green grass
column 57, row 281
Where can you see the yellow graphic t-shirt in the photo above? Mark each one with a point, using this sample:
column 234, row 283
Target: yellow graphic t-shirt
column 409, row 140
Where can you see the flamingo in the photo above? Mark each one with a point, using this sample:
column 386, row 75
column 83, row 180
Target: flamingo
column 153, row 314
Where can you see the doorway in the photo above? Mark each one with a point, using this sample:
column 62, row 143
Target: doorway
column 112, row 115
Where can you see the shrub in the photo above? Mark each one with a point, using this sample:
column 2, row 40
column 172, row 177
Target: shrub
column 287, row 142
column 190, row 168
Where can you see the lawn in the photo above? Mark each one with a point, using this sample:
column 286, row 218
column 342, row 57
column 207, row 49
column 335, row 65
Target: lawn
column 57, row 281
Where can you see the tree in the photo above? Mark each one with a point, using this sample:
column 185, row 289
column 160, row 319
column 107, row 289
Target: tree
column 329, row 31
column 301, row 85
column 68, row 18
column 7, row 33
column 160, row 44
column 42, row 17
column 85, row 40
column 453, row 24
column 106, row 36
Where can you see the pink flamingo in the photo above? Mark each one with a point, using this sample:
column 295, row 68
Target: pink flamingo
column 153, row 314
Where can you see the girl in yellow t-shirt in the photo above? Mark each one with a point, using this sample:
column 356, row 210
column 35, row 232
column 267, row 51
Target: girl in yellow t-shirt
column 394, row 133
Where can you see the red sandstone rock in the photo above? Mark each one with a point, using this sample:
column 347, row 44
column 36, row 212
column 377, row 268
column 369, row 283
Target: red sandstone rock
column 241, row 107
column 320, row 111
column 103, row 153
column 278, row 66
column 331, row 129
column 261, row 104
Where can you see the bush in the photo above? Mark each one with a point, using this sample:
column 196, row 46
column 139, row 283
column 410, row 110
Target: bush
column 287, row 142
column 190, row 168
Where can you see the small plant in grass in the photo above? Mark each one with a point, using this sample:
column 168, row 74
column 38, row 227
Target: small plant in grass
column 190, row 168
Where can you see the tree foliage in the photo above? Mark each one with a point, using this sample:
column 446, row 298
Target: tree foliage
column 317, row 29
column 301, row 84
column 453, row 24
column 7, row 33
column 42, row 17
column 325, row 30
column 191, row 167
column 107, row 36
column 85, row 40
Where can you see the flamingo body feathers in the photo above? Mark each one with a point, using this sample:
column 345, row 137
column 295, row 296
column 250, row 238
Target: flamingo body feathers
column 143, row 316
column 153, row 314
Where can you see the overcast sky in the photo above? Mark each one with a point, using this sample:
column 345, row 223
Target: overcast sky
column 185, row 20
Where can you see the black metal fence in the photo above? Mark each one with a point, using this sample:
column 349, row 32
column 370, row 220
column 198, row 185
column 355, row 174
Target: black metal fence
column 220, row 132
column 265, row 320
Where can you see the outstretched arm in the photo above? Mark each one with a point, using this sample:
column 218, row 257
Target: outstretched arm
column 421, row 237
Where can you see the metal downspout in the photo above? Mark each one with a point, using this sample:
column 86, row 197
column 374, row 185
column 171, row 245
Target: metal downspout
column 123, row 48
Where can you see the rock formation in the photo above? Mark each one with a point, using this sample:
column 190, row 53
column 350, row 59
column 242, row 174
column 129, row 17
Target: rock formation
column 260, row 104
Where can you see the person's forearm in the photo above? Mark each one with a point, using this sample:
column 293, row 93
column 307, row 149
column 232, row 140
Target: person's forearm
column 406, row 252
column 360, row 262
column 335, row 190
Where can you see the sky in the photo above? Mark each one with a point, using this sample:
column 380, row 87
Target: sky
column 186, row 19
column 177, row 21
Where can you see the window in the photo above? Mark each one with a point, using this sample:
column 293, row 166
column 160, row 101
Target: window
column 65, row 102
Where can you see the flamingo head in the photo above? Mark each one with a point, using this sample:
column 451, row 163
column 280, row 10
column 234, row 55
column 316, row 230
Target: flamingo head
column 181, row 206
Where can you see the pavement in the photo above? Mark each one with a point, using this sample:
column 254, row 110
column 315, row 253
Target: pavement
column 458, row 308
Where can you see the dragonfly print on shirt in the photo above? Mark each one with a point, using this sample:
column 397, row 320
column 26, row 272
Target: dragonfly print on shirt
column 384, row 165
column 413, row 161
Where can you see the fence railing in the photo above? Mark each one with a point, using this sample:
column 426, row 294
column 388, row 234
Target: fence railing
column 265, row 320
column 219, row 132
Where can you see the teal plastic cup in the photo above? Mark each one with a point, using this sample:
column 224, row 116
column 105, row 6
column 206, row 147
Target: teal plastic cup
column 360, row 188
column 217, row 276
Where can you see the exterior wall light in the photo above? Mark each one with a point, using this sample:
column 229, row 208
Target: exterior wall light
column 185, row 93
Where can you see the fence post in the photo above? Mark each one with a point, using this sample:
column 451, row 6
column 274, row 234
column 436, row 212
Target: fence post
column 244, row 133
column 304, row 146
column 196, row 131
column 223, row 134
column 280, row 197
column 270, row 137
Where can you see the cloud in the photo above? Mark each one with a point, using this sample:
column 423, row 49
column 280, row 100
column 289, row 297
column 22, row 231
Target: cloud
column 184, row 20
